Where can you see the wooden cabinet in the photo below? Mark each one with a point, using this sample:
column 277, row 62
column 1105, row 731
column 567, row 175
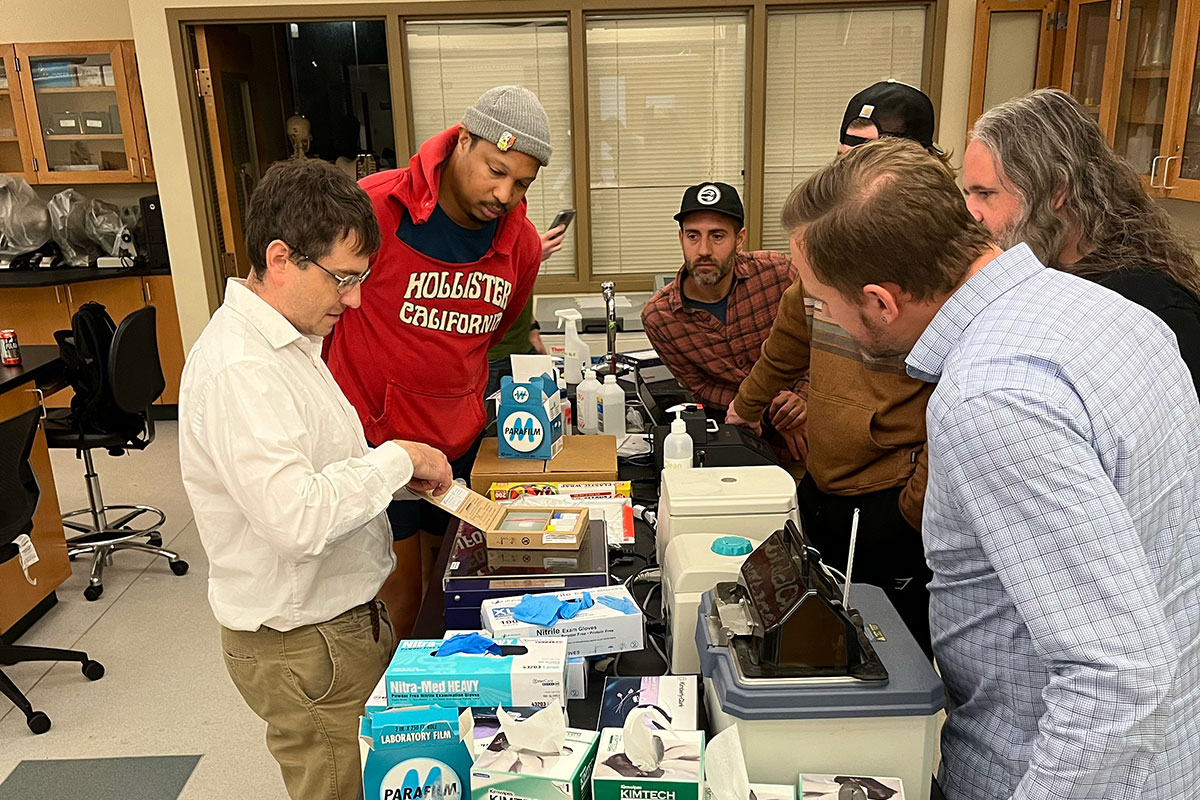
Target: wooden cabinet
column 36, row 313
column 160, row 293
column 17, row 594
column 1132, row 64
column 72, row 113
column 16, row 154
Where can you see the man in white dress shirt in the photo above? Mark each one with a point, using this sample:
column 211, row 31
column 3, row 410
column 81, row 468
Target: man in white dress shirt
column 288, row 498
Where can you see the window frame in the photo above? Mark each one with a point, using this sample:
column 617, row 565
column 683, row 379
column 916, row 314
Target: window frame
column 397, row 14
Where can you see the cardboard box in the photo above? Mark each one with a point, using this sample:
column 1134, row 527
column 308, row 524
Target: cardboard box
column 94, row 122
column 583, row 459
column 501, row 773
column 594, row 631
column 534, row 677
column 426, row 749
column 556, row 528
column 511, row 491
column 679, row 776
column 827, row 787
column 676, row 696
column 529, row 423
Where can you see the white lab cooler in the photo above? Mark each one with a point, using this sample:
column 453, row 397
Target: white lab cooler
column 790, row 726
column 741, row 501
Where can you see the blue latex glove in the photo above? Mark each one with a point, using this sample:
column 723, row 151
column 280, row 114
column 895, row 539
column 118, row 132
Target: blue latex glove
column 469, row 643
column 622, row 604
column 537, row 609
column 546, row 609
column 570, row 608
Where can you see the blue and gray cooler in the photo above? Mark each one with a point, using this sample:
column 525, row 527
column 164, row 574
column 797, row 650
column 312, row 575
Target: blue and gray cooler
column 814, row 686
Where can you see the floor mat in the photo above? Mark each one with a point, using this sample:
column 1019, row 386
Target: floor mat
column 139, row 778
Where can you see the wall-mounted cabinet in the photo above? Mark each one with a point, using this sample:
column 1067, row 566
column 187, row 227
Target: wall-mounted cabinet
column 71, row 113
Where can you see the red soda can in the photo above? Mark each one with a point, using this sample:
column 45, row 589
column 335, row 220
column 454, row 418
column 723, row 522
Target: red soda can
column 10, row 351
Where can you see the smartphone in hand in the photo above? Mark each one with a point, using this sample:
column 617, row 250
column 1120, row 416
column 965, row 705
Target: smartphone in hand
column 563, row 218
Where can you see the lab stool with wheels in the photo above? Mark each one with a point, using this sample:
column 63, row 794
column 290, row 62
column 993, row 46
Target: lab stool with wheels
column 20, row 490
column 134, row 378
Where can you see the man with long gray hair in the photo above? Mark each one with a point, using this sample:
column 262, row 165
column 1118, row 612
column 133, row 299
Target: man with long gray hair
column 1038, row 170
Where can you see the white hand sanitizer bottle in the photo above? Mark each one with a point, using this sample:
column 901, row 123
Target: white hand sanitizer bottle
column 587, row 402
column 677, row 447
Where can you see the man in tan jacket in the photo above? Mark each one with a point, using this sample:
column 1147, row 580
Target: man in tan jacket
column 865, row 421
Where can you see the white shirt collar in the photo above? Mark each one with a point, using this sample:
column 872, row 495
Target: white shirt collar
column 264, row 317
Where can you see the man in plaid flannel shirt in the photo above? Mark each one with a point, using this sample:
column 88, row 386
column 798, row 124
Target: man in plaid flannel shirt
column 709, row 324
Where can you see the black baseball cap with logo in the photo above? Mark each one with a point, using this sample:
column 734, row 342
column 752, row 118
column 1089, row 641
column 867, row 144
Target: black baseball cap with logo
column 895, row 108
column 712, row 196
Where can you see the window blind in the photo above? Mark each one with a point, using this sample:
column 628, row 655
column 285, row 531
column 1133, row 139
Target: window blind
column 806, row 99
column 666, row 110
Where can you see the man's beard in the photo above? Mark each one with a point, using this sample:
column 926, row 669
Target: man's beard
column 710, row 277
column 876, row 343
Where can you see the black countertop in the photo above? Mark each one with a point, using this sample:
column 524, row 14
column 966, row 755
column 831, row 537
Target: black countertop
column 38, row 361
column 28, row 278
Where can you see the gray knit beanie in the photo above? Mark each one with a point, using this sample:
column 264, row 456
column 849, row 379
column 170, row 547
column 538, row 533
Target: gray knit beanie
column 512, row 118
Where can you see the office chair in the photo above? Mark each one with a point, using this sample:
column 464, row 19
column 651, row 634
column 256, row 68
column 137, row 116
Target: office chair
column 133, row 379
column 19, row 488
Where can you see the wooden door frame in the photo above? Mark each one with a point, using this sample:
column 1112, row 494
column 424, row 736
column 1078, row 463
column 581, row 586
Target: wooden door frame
column 1179, row 111
column 114, row 50
column 984, row 9
column 1073, row 40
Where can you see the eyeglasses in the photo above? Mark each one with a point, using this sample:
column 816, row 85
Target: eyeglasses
column 345, row 283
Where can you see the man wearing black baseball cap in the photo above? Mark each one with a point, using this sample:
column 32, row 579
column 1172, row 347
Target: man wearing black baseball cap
column 710, row 322
column 889, row 108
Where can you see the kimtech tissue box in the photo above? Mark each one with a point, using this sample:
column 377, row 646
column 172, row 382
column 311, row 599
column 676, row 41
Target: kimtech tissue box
column 678, row 776
column 829, row 787
column 675, row 696
column 595, row 631
column 531, row 672
column 765, row 791
column 502, row 772
column 421, row 753
column 529, row 421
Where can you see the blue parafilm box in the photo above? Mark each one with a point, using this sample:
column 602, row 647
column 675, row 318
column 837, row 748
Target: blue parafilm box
column 529, row 421
column 531, row 672
column 419, row 753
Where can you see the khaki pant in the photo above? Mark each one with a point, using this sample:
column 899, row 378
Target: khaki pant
column 310, row 685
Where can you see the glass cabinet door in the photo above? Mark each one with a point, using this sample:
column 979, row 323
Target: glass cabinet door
column 77, row 97
column 14, row 157
column 1145, row 73
column 1088, row 62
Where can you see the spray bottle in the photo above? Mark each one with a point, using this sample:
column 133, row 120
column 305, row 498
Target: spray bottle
column 576, row 354
column 587, row 402
column 677, row 447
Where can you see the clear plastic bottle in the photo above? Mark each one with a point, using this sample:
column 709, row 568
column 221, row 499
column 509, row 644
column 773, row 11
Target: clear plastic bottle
column 677, row 447
column 576, row 354
column 587, row 403
column 612, row 407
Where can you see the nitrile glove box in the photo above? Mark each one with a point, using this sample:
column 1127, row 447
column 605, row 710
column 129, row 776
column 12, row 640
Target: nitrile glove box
column 595, row 631
column 676, row 696
column 418, row 753
column 535, row 677
column 529, row 421
column 576, row 677
column 679, row 776
column 502, row 773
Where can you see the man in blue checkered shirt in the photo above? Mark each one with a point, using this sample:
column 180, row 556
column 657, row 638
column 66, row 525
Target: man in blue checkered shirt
column 1062, row 517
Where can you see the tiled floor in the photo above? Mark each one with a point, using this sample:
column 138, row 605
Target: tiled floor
column 165, row 690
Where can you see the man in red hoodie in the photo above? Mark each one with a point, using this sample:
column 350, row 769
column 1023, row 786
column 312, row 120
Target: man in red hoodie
column 457, row 265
